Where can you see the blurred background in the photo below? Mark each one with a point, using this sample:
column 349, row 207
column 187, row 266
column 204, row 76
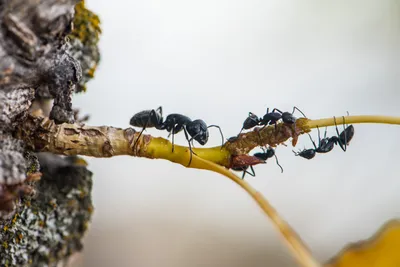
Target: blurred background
column 218, row 60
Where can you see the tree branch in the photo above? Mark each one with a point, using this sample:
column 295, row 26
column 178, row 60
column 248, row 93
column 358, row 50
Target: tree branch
column 42, row 134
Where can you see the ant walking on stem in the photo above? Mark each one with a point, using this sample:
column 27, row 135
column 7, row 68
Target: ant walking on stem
column 275, row 115
column 269, row 118
column 264, row 156
column 174, row 123
column 197, row 130
column 326, row 144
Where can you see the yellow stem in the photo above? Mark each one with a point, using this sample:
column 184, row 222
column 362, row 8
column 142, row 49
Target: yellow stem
column 353, row 120
column 300, row 250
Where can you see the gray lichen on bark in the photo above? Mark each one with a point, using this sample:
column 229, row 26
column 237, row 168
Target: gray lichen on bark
column 44, row 208
column 48, row 226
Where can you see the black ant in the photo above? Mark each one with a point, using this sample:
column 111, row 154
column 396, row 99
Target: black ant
column 197, row 129
column 265, row 155
column 147, row 119
column 273, row 117
column 326, row 144
column 174, row 123
column 306, row 153
column 269, row 118
column 251, row 121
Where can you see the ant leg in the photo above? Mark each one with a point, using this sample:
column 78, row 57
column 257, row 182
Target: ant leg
column 277, row 162
column 137, row 139
column 275, row 109
column 191, row 141
column 337, row 132
column 252, row 170
column 319, row 137
column 252, row 173
column 296, row 108
column 313, row 141
column 345, row 134
column 159, row 109
column 220, row 131
column 140, row 134
column 240, row 131
column 173, row 134
column 190, row 147
column 265, row 125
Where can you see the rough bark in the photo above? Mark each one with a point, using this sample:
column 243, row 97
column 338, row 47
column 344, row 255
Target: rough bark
column 45, row 202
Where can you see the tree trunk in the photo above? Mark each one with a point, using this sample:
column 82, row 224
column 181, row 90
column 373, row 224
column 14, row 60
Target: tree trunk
column 48, row 50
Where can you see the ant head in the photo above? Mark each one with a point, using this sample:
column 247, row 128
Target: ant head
column 269, row 152
column 288, row 118
column 169, row 123
column 266, row 154
column 261, row 156
column 198, row 131
column 306, row 153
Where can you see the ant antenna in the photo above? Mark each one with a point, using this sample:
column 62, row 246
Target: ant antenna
column 315, row 146
column 276, row 158
column 344, row 131
column 240, row 131
column 222, row 136
column 277, row 162
column 296, row 108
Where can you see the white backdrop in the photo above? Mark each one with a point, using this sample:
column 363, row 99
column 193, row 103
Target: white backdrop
column 218, row 60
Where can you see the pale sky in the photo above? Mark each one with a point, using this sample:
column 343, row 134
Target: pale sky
column 217, row 60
